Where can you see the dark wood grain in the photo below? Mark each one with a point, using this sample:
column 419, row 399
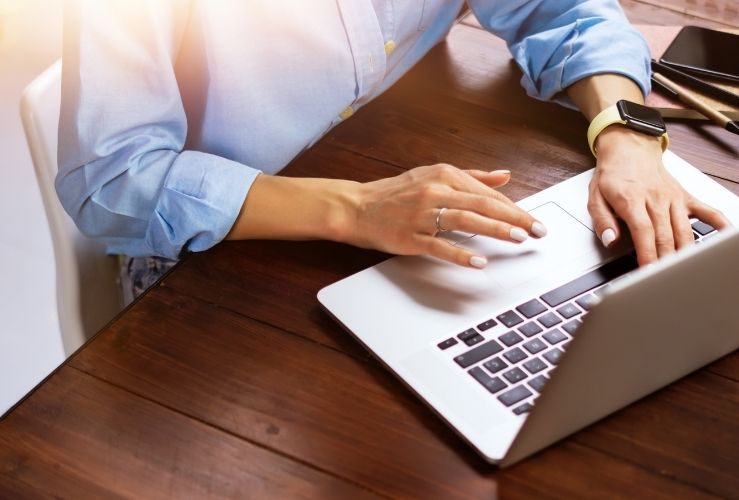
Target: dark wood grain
column 78, row 437
column 228, row 380
column 284, row 393
column 709, row 13
column 679, row 432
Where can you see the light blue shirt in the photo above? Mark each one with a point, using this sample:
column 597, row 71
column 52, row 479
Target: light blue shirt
column 171, row 108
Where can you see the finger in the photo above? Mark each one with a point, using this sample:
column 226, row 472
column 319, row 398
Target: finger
column 708, row 214
column 494, row 179
column 642, row 233
column 442, row 249
column 604, row 221
column 495, row 210
column 461, row 180
column 664, row 240
column 474, row 223
column 681, row 230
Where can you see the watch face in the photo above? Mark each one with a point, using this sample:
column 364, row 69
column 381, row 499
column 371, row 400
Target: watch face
column 641, row 118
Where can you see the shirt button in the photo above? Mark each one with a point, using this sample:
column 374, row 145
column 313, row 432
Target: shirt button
column 389, row 47
column 348, row 111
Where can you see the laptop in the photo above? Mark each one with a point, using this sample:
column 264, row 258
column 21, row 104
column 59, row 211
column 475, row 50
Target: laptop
column 556, row 333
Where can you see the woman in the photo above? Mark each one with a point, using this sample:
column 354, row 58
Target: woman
column 176, row 113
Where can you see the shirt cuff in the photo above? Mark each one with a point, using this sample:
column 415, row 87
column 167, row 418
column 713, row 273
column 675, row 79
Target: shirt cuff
column 199, row 202
column 607, row 47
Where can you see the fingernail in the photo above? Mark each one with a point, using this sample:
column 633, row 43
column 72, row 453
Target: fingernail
column 518, row 234
column 538, row 229
column 501, row 172
column 478, row 261
column 608, row 237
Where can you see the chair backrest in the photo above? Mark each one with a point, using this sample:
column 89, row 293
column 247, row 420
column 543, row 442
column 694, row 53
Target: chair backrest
column 87, row 290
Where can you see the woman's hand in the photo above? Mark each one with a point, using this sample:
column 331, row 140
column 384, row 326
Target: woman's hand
column 401, row 215
column 631, row 183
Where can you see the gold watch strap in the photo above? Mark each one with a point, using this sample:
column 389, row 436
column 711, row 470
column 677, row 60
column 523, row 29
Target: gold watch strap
column 607, row 117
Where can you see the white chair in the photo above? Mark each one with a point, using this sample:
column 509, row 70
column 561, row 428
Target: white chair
column 87, row 291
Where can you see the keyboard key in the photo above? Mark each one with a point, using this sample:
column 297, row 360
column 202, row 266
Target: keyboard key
column 588, row 281
column 447, row 343
column 530, row 329
column 537, row 383
column 510, row 338
column 568, row 310
column 571, row 326
column 535, row 365
column 492, row 384
column 535, row 345
column 510, row 318
column 587, row 301
column 475, row 339
column 553, row 356
column 524, row 408
column 531, row 308
column 495, row 365
column 515, row 355
column 555, row 336
column 515, row 375
column 514, row 395
column 487, row 325
column 467, row 334
column 549, row 319
column 479, row 353
column 702, row 228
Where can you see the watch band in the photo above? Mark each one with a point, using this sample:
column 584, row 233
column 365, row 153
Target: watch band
column 611, row 116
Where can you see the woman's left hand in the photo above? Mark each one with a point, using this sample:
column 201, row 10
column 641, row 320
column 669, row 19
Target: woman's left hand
column 631, row 183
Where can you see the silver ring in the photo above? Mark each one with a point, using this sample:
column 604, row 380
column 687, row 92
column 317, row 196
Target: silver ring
column 439, row 228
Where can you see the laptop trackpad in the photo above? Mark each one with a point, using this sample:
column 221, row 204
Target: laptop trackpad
column 568, row 240
column 446, row 291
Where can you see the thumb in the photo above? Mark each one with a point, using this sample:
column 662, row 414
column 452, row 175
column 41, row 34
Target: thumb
column 604, row 222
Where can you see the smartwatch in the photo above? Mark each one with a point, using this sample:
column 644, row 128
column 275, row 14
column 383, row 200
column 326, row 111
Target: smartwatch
column 632, row 115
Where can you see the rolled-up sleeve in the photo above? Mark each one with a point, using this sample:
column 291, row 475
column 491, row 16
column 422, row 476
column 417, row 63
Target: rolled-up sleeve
column 124, row 173
column 557, row 43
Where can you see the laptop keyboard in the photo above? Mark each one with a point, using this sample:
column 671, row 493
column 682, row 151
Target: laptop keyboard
column 514, row 366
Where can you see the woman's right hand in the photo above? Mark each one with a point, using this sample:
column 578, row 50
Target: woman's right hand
column 399, row 214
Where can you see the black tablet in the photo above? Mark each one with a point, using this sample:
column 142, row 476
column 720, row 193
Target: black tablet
column 705, row 51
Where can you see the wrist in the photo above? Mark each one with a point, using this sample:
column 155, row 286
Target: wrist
column 619, row 138
column 342, row 199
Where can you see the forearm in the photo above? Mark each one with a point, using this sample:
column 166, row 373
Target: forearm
column 284, row 208
column 595, row 93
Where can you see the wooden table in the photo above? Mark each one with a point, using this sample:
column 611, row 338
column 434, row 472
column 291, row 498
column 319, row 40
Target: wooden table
column 227, row 379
